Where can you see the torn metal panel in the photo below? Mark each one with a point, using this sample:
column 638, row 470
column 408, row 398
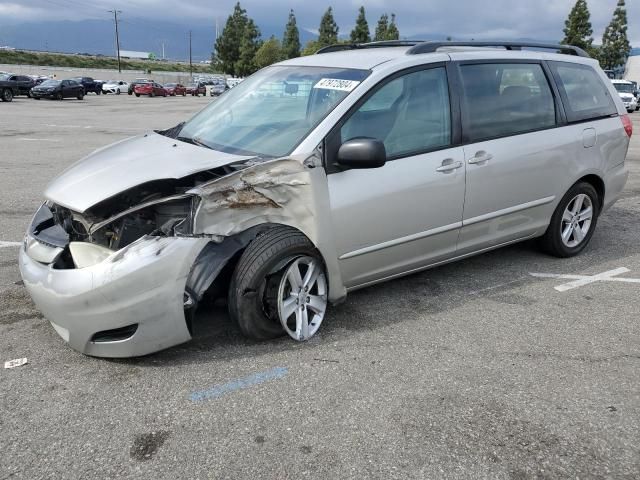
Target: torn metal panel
column 282, row 191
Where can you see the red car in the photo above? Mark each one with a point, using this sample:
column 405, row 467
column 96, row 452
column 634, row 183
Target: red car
column 174, row 89
column 152, row 89
column 196, row 89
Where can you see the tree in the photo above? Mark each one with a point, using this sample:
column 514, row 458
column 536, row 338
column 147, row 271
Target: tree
column 228, row 44
column 615, row 44
column 249, row 45
column 382, row 28
column 577, row 27
column 360, row 33
column 310, row 48
column 328, row 31
column 270, row 52
column 291, row 38
column 392, row 32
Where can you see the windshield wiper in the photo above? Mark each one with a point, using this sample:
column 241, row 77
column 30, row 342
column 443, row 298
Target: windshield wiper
column 194, row 141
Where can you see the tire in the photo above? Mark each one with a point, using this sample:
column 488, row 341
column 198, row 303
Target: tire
column 7, row 95
column 130, row 93
column 184, row 94
column 552, row 241
column 98, row 92
column 152, row 94
column 254, row 284
column 59, row 96
column 137, row 94
column 28, row 94
column 37, row 98
column 80, row 96
column 118, row 92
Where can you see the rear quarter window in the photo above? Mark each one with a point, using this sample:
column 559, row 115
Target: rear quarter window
column 584, row 94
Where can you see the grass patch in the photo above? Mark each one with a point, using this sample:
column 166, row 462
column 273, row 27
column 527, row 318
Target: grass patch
column 19, row 57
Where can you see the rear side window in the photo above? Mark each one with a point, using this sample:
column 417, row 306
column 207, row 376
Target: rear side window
column 506, row 99
column 583, row 93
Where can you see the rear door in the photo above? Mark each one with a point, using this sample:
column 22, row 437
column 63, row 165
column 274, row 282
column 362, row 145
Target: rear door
column 406, row 214
column 516, row 156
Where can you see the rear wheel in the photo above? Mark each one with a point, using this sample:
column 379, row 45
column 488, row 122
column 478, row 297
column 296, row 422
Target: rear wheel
column 279, row 286
column 80, row 96
column 118, row 92
column 152, row 94
column 573, row 222
column 59, row 96
column 7, row 95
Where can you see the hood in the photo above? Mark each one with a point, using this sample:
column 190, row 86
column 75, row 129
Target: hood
column 126, row 164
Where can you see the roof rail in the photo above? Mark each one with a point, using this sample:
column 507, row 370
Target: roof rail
column 338, row 47
column 431, row 47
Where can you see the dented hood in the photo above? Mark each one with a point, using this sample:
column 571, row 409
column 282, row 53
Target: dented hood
column 123, row 165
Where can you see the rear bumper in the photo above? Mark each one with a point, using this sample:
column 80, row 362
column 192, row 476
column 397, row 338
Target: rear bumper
column 143, row 284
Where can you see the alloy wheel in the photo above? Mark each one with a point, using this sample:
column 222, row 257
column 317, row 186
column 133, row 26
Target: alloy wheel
column 302, row 298
column 576, row 220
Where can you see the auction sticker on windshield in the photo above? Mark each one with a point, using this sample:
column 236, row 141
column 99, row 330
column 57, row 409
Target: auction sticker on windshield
column 337, row 84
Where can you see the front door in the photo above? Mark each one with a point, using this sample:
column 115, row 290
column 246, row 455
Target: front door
column 406, row 214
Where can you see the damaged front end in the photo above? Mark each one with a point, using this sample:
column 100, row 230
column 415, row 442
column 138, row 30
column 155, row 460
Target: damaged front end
column 123, row 277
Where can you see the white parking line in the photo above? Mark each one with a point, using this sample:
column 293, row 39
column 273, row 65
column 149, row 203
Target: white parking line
column 582, row 280
column 9, row 244
column 39, row 139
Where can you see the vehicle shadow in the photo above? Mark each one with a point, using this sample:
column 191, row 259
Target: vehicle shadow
column 494, row 275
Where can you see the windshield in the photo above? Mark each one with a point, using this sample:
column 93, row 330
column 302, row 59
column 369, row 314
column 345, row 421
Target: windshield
column 623, row 87
column 5, row 76
column 50, row 83
column 271, row 112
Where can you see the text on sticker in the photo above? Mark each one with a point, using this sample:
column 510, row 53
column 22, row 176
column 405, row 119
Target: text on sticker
column 337, row 84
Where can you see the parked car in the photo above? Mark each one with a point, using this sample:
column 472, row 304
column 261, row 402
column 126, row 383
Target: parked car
column 137, row 81
column 152, row 89
column 115, row 86
column 23, row 83
column 8, row 89
column 175, row 89
column 196, row 89
column 90, row 85
column 218, row 87
column 626, row 91
column 58, row 90
column 283, row 204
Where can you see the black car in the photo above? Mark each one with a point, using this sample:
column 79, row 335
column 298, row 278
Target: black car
column 58, row 89
column 89, row 84
column 8, row 90
column 23, row 84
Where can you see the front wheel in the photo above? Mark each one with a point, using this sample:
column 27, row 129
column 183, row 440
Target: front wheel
column 279, row 286
column 137, row 94
column 118, row 92
column 80, row 96
column 59, row 96
column 7, row 95
column 98, row 92
column 573, row 222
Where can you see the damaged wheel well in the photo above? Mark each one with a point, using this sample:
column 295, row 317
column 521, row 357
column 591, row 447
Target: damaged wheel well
column 211, row 272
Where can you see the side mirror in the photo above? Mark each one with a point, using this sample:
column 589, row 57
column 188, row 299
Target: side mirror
column 362, row 153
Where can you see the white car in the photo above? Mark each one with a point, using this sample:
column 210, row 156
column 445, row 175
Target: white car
column 115, row 86
column 626, row 91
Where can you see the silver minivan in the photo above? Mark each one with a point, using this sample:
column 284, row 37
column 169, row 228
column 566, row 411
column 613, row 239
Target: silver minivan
column 321, row 175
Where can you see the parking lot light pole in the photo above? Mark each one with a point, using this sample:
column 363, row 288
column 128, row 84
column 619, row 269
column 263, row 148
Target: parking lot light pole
column 190, row 59
column 115, row 17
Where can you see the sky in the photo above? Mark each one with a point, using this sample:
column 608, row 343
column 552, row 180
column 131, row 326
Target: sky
column 461, row 19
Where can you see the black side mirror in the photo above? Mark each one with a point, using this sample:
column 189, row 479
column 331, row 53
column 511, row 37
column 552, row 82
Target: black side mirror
column 362, row 153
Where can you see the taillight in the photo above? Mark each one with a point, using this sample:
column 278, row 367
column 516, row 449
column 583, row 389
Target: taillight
column 627, row 124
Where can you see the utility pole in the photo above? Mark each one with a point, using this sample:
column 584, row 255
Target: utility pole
column 115, row 18
column 190, row 59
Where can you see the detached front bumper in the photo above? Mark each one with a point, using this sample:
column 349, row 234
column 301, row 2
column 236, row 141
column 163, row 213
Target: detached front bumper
column 136, row 293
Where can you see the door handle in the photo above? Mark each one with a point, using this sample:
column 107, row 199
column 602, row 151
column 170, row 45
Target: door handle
column 480, row 157
column 449, row 165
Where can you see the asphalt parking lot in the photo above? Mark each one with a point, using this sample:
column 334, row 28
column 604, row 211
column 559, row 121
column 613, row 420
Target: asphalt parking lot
column 477, row 369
